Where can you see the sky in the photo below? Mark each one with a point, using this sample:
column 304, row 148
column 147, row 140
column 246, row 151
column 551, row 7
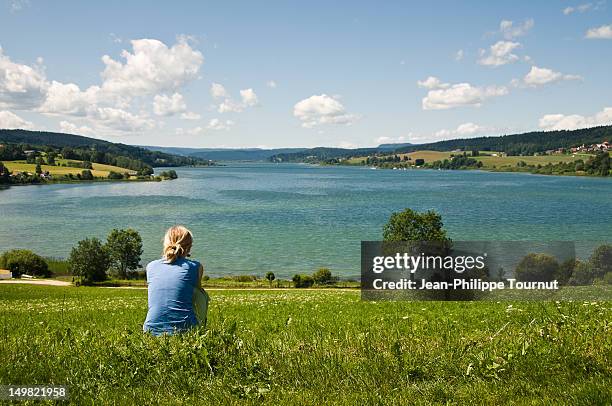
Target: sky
column 303, row 74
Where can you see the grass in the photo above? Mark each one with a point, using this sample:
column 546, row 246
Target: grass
column 307, row 347
column 99, row 170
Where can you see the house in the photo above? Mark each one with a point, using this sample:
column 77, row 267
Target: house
column 5, row 274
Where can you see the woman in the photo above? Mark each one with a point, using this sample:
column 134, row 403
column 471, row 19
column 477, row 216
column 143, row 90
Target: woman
column 174, row 284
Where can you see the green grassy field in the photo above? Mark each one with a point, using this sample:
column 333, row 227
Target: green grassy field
column 307, row 347
column 99, row 170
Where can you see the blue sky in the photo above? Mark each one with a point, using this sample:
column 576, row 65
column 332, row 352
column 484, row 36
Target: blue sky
column 278, row 74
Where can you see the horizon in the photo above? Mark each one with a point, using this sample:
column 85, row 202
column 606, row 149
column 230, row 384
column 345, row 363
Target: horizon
column 286, row 76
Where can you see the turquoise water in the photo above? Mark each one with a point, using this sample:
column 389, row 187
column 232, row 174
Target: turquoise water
column 250, row 218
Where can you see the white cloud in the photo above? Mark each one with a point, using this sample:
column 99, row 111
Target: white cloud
column 216, row 124
column 9, row 120
column 432, row 82
column 21, row 86
column 271, row 84
column 458, row 95
column 459, row 55
column 190, row 115
column 574, row 121
column 581, row 8
column 463, row 130
column 509, row 30
column 189, row 131
column 391, row 140
column 18, row 5
column 249, row 98
column 603, row 32
column 322, row 109
column 71, row 128
column 151, row 68
column 499, row 54
column 121, row 120
column 217, row 91
column 542, row 76
column 228, row 105
column 67, row 98
column 164, row 105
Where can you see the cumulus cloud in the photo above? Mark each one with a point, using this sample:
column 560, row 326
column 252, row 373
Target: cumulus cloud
column 574, row 121
column 432, row 82
column 164, row 105
column 463, row 130
column 151, row 67
column 67, row 98
column 71, row 128
column 21, row 86
column 9, row 120
column 509, row 30
column 216, row 124
column 121, row 120
column 391, row 140
column 271, row 84
column 459, row 55
column 218, row 91
column 189, row 131
column 443, row 96
column 322, row 109
column 543, row 76
column 190, row 115
column 603, row 32
column 228, row 104
column 581, row 8
column 499, row 54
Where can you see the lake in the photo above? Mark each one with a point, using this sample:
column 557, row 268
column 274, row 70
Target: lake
column 251, row 218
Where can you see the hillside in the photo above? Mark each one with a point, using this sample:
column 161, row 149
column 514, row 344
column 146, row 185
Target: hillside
column 226, row 154
column 105, row 152
column 514, row 144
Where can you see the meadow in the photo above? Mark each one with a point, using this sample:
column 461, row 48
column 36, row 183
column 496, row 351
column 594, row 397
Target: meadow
column 307, row 347
column 98, row 170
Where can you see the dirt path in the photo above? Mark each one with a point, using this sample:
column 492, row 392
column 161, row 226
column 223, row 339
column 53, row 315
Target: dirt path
column 50, row 282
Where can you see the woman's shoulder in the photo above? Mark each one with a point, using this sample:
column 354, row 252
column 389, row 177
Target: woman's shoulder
column 154, row 264
column 192, row 263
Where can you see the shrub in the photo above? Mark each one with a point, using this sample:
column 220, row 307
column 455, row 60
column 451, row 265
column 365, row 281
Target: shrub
column 323, row 277
column 302, row 281
column 21, row 262
column 537, row 268
column 115, row 175
column 87, row 175
column 270, row 277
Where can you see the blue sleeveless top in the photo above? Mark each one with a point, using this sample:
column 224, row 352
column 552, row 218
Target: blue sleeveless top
column 171, row 296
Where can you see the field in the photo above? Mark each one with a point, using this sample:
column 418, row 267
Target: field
column 307, row 347
column 99, row 170
column 501, row 161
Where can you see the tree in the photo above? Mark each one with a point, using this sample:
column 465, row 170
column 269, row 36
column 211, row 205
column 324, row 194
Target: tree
column 302, row 281
column 38, row 168
column 124, row 248
column 87, row 175
column 51, row 158
column 537, row 268
column 21, row 262
column 270, row 277
column 89, row 260
column 410, row 225
column 583, row 274
column 419, row 162
column 601, row 260
column 323, row 276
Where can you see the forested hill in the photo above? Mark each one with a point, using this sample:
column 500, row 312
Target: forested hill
column 514, row 144
column 94, row 150
column 522, row 144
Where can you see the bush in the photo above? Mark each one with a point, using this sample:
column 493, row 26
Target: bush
column 302, row 281
column 87, row 175
column 324, row 277
column 89, row 260
column 537, row 268
column 115, row 175
column 21, row 262
column 270, row 277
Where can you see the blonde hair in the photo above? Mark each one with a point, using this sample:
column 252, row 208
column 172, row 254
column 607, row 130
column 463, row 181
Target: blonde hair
column 177, row 243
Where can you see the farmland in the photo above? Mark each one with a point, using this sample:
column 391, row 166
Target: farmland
column 307, row 347
column 99, row 170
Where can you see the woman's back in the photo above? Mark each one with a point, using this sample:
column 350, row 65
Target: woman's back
column 171, row 295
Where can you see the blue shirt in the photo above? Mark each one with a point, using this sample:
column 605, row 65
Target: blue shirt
column 171, row 296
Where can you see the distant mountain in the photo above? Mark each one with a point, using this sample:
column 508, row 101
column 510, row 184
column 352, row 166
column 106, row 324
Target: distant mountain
column 226, row 154
column 95, row 149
